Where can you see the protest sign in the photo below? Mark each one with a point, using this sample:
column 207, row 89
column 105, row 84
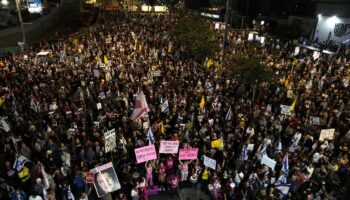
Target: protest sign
column 327, row 134
column 285, row 110
column 146, row 153
column 268, row 162
column 156, row 73
column 110, row 140
column 250, row 147
column 167, row 147
column 89, row 176
column 105, row 179
column 188, row 154
column 315, row 120
column 211, row 163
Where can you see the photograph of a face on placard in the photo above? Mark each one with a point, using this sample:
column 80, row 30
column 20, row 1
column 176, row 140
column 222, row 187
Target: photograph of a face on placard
column 105, row 179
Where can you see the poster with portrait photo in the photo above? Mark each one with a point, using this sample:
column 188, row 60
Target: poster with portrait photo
column 105, row 179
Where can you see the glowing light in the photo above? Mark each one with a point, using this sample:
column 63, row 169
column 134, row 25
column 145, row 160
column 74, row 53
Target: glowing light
column 4, row 2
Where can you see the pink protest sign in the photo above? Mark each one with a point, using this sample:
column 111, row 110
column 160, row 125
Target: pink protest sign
column 188, row 154
column 169, row 146
column 146, row 153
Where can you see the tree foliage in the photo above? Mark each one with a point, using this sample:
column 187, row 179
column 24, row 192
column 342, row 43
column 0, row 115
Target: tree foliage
column 196, row 34
column 249, row 69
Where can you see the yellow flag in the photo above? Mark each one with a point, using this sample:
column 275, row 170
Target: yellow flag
column 107, row 76
column 170, row 47
column 217, row 144
column 105, row 60
column 209, row 63
column 201, row 104
column 162, row 129
column 75, row 42
column 286, row 83
column 293, row 105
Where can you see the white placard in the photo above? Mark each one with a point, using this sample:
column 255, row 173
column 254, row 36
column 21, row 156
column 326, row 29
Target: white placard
column 156, row 73
column 296, row 51
column 250, row 147
column 315, row 120
column 285, row 110
column 250, row 37
column 327, row 134
column 268, row 162
column 211, row 163
column 110, row 140
column 99, row 106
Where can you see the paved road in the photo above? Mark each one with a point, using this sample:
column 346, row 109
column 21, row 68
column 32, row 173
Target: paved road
column 187, row 193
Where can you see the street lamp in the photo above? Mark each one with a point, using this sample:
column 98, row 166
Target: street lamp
column 4, row 2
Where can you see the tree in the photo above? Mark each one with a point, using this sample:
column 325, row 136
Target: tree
column 196, row 34
column 249, row 69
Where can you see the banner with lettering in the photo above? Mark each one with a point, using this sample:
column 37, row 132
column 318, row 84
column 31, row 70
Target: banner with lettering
column 211, row 163
column 169, row 147
column 105, row 179
column 188, row 154
column 110, row 141
column 146, row 153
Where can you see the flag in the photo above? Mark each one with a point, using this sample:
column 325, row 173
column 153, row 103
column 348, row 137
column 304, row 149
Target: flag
column 201, row 104
column 295, row 142
column 285, row 164
column 46, row 183
column 329, row 69
column 4, row 125
column 229, row 114
column 19, row 163
column 217, row 144
column 105, row 60
column 285, row 170
column 141, row 107
column 286, row 83
column 70, row 194
column 244, row 153
column 293, row 105
column 321, row 82
column 308, row 85
column 150, row 136
column 164, row 107
column 283, row 188
column 162, row 129
column 209, row 63
column 261, row 151
column 108, row 76
column 209, row 87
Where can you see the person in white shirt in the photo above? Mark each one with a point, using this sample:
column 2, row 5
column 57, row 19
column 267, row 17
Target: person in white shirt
column 35, row 197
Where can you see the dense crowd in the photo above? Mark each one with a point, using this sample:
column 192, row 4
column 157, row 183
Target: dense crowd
column 57, row 108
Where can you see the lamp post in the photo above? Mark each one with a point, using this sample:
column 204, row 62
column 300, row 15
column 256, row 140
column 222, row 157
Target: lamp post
column 21, row 23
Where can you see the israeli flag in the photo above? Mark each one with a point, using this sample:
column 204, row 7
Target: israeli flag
column 19, row 163
column 150, row 136
column 4, row 125
column 229, row 115
column 285, row 170
column 285, row 164
column 244, row 153
column 164, row 106
column 283, row 188
column 70, row 194
column 295, row 143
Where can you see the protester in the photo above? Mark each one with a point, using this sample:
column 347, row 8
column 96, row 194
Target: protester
column 57, row 108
